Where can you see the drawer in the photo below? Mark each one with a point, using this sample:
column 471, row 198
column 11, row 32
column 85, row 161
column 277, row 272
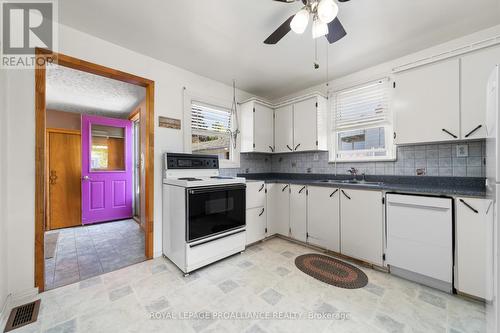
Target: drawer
column 256, row 194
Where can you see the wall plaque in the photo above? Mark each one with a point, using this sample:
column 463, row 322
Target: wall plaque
column 169, row 122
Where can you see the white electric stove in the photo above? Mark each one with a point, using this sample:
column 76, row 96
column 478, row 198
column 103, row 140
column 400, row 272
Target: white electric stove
column 203, row 212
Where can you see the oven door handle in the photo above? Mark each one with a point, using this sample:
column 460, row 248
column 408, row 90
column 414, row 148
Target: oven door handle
column 216, row 189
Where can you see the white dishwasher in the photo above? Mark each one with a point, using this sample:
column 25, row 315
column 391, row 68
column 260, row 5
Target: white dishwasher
column 420, row 239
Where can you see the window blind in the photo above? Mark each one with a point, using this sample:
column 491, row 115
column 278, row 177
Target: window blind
column 206, row 119
column 362, row 105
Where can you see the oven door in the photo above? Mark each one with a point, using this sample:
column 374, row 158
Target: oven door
column 214, row 210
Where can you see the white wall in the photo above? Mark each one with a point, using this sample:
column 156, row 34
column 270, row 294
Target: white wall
column 20, row 161
column 3, row 213
column 385, row 69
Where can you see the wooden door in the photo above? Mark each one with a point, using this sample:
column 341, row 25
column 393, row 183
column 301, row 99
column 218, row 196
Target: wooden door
column 64, row 173
column 305, row 125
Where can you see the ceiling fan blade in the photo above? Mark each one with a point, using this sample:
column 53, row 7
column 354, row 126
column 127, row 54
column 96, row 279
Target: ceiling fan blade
column 335, row 31
column 280, row 32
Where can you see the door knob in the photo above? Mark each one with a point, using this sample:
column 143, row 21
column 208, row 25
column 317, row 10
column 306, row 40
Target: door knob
column 86, row 178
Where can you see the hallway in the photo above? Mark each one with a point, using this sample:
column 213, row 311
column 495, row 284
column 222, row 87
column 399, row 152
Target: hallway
column 84, row 252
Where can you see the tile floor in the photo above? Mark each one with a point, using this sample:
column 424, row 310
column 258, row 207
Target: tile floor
column 87, row 251
column 263, row 279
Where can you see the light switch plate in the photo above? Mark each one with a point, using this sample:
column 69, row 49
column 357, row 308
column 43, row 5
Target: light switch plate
column 462, row 150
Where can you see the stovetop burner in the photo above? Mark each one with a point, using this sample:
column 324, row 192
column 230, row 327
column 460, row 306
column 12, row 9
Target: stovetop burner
column 190, row 179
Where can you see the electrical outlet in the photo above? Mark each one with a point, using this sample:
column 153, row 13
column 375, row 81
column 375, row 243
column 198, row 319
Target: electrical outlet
column 316, row 157
column 462, row 150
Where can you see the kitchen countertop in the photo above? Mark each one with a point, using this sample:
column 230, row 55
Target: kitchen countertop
column 442, row 186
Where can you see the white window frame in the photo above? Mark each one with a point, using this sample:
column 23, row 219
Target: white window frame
column 387, row 123
column 189, row 99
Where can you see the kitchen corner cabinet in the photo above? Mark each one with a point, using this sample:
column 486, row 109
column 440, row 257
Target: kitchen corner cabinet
column 475, row 69
column 278, row 209
column 427, row 103
column 256, row 215
column 257, row 127
column 362, row 224
column 298, row 212
column 474, row 247
column 323, row 217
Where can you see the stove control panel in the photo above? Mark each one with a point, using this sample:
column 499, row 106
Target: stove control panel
column 191, row 161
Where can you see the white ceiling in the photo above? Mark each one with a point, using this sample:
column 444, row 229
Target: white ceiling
column 76, row 91
column 222, row 39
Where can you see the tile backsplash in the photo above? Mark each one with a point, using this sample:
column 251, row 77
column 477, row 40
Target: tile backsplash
column 431, row 159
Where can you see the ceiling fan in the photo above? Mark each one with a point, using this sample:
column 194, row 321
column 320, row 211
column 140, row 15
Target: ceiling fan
column 324, row 21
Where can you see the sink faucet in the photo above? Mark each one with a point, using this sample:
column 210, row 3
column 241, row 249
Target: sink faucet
column 354, row 172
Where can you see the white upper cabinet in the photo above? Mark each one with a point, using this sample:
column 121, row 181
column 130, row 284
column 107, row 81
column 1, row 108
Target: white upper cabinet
column 283, row 129
column 305, row 129
column 475, row 70
column 257, row 127
column 323, row 217
column 298, row 212
column 427, row 103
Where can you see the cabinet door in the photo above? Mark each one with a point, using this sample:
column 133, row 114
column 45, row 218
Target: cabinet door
column 305, row 125
column 283, row 129
column 474, row 241
column 263, row 129
column 426, row 103
column 256, row 224
column 278, row 206
column 361, row 225
column 298, row 212
column 475, row 71
column 256, row 194
column 323, row 217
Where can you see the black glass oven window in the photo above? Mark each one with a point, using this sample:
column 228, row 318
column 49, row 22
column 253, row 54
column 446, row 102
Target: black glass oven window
column 212, row 211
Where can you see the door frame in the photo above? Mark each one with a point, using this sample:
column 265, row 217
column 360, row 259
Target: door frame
column 44, row 56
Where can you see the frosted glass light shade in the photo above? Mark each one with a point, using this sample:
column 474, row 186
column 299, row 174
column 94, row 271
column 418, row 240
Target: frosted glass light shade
column 300, row 21
column 327, row 10
column 319, row 29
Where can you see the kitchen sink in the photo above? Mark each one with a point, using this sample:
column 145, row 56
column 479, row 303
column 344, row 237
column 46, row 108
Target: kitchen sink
column 352, row 182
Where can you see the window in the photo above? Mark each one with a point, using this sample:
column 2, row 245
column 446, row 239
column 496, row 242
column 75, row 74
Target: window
column 108, row 148
column 362, row 124
column 210, row 130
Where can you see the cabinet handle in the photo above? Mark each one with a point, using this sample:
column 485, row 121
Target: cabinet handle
column 333, row 193
column 284, row 188
column 448, row 132
column 348, row 197
column 261, row 188
column 297, row 146
column 475, row 129
column 302, row 189
column 272, row 149
column 469, row 206
column 289, row 147
column 261, row 212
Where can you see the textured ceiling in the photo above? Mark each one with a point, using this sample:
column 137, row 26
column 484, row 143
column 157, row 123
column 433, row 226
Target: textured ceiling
column 222, row 39
column 72, row 90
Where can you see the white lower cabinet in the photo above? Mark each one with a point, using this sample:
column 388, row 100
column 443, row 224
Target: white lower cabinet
column 361, row 216
column 474, row 244
column 298, row 212
column 278, row 209
column 256, row 224
column 323, row 217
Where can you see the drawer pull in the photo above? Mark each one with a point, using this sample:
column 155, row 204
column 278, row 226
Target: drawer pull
column 302, row 189
column 284, row 188
column 333, row 193
column 261, row 188
column 348, row 197
column 469, row 206
column 261, row 212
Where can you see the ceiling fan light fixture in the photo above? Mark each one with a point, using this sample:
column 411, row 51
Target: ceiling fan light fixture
column 319, row 28
column 300, row 21
column 327, row 10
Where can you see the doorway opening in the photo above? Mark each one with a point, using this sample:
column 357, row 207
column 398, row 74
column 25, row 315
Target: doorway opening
column 94, row 170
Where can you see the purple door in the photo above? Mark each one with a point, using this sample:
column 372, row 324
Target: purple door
column 106, row 169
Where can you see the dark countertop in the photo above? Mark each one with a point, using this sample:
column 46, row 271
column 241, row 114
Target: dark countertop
column 443, row 186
